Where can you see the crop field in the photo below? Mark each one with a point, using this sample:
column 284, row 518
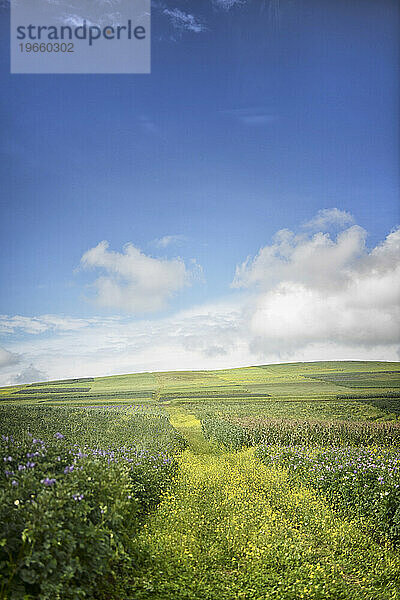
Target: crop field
column 265, row 482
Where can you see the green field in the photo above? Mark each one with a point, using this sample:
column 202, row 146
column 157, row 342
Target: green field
column 266, row 482
column 329, row 383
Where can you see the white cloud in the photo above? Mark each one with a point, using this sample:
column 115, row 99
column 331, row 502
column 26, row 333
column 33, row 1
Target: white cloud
column 207, row 337
column 133, row 281
column 304, row 297
column 184, row 21
column 75, row 20
column 168, row 240
column 327, row 217
column 204, row 337
column 42, row 324
column 30, row 375
column 228, row 4
column 212, row 336
column 29, row 325
column 316, row 290
column 7, row 358
column 318, row 260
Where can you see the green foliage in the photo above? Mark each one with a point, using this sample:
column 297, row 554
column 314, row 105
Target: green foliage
column 57, row 541
column 113, row 510
column 226, row 433
column 69, row 395
column 51, row 390
column 354, row 379
column 295, row 409
column 319, row 381
column 136, row 425
column 233, row 528
column 389, row 402
column 70, row 510
column 62, row 382
column 235, row 433
column 362, row 482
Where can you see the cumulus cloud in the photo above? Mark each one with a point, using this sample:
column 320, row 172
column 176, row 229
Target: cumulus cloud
column 328, row 217
column 133, row 281
column 206, row 337
column 318, row 260
column 304, row 297
column 315, row 289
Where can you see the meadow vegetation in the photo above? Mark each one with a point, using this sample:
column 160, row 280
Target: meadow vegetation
column 268, row 482
column 71, row 502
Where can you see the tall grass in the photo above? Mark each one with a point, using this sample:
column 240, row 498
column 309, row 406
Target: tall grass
column 236, row 433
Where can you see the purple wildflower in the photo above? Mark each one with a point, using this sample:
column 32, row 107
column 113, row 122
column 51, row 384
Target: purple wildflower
column 48, row 482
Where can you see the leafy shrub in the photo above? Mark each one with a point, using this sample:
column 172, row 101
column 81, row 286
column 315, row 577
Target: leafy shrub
column 69, row 511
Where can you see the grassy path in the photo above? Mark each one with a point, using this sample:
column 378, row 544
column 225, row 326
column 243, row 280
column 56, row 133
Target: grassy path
column 235, row 529
column 190, row 427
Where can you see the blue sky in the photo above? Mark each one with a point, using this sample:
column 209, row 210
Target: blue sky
column 256, row 116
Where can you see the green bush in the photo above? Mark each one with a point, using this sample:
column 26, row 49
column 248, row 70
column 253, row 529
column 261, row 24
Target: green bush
column 70, row 512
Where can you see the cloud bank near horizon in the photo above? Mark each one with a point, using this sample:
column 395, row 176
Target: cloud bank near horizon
column 307, row 295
